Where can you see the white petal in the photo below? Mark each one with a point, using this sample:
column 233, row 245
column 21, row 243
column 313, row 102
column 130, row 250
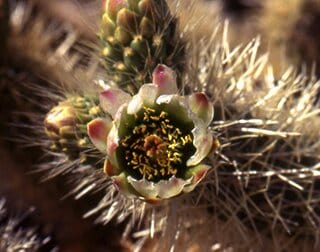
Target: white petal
column 164, row 189
column 165, row 79
column 202, row 140
column 165, row 99
column 146, row 188
column 148, row 93
column 134, row 105
column 172, row 187
column 112, row 98
column 146, row 96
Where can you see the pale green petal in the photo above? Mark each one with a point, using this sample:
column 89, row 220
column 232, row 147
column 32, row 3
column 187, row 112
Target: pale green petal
column 202, row 107
column 164, row 189
column 196, row 173
column 148, row 94
column 124, row 122
column 135, row 105
column 172, row 187
column 145, row 188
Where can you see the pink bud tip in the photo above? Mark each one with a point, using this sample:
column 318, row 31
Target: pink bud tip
column 165, row 78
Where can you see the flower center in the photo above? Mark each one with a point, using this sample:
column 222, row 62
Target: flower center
column 154, row 147
column 157, row 148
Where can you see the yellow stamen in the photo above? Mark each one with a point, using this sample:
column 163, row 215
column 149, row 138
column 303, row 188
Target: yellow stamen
column 155, row 148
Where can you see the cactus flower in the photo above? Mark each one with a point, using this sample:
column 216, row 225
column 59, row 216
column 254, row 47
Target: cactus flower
column 157, row 141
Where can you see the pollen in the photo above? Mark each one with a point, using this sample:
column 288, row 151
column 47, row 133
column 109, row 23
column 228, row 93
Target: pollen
column 155, row 149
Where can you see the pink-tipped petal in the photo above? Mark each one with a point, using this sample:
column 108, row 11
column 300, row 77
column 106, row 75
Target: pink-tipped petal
column 203, row 142
column 197, row 173
column 165, row 79
column 112, row 98
column 172, row 187
column 144, row 187
column 98, row 130
column 121, row 183
column 202, row 107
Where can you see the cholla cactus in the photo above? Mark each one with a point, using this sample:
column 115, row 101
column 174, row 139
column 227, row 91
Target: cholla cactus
column 136, row 36
column 157, row 140
column 264, row 176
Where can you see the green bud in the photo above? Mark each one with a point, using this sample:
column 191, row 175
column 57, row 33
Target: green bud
column 127, row 19
column 146, row 28
column 122, row 36
column 66, row 126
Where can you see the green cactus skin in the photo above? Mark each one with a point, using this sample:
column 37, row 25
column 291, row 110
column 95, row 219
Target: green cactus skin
column 136, row 35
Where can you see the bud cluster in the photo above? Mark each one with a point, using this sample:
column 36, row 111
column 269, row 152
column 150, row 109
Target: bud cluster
column 66, row 126
column 137, row 35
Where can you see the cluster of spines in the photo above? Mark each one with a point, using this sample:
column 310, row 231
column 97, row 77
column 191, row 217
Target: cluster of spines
column 17, row 236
